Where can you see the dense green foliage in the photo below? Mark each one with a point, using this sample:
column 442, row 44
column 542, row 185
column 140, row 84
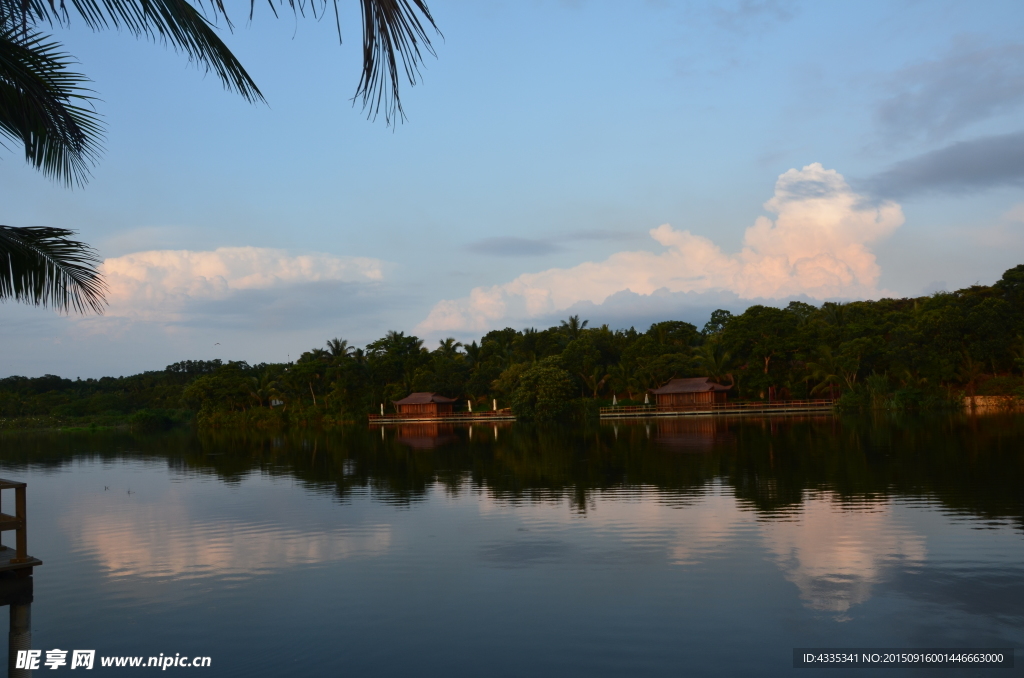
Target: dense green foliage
column 891, row 353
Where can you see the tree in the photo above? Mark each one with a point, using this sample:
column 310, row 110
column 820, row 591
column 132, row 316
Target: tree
column 763, row 333
column 339, row 348
column 621, row 379
column 544, row 392
column 264, row 387
column 572, row 327
column 717, row 322
column 44, row 267
column 595, row 380
column 714, row 361
column 449, row 348
column 831, row 371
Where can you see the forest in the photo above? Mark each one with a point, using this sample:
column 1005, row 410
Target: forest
column 899, row 354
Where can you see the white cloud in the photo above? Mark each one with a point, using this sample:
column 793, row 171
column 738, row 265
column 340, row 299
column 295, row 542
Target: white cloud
column 816, row 246
column 161, row 284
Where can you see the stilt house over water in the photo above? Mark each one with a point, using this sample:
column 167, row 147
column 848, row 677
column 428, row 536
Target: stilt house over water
column 693, row 391
column 429, row 404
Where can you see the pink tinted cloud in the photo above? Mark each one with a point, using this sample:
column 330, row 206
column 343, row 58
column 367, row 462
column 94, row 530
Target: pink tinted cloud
column 818, row 245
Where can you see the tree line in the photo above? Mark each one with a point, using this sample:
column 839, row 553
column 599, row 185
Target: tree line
column 909, row 353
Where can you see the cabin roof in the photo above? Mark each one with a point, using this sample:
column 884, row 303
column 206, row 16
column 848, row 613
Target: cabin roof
column 691, row 385
column 423, row 398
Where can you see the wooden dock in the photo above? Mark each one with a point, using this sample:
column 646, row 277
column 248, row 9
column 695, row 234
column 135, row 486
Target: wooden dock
column 447, row 418
column 16, row 559
column 16, row 578
column 731, row 409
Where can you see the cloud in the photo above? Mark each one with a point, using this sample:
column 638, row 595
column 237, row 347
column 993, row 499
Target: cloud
column 962, row 167
column 817, row 246
column 166, row 285
column 513, row 247
column 598, row 234
column 753, row 15
column 936, row 98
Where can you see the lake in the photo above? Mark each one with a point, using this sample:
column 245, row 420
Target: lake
column 695, row 546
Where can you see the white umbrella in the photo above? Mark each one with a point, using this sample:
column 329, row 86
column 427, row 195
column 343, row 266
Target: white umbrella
column 647, row 400
column 615, row 400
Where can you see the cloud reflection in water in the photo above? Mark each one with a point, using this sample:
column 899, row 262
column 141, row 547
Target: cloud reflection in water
column 161, row 541
column 836, row 552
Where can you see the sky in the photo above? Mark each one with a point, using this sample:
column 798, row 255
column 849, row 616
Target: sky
column 629, row 162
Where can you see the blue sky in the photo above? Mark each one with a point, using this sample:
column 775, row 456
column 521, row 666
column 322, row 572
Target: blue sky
column 880, row 145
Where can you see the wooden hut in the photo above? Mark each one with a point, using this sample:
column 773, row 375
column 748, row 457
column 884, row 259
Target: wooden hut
column 424, row 404
column 693, row 391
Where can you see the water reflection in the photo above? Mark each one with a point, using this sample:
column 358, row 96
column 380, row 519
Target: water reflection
column 772, row 464
column 693, row 434
column 170, row 532
column 818, row 496
column 424, row 436
column 154, row 543
column 835, row 552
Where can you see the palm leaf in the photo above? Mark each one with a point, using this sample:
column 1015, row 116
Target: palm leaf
column 43, row 105
column 393, row 31
column 43, row 266
column 174, row 22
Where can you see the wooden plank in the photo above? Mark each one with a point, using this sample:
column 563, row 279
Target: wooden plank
column 9, row 561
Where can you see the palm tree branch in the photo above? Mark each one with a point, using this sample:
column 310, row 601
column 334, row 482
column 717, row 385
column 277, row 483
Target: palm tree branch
column 43, row 266
column 175, row 22
column 43, row 105
column 391, row 29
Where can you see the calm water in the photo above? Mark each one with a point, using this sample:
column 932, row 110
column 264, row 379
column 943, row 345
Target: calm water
column 694, row 547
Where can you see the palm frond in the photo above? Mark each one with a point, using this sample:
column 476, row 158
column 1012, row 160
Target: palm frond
column 176, row 23
column 391, row 29
column 42, row 266
column 44, row 105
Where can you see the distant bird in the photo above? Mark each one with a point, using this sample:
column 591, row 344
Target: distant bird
column 105, row 488
column 217, row 344
column 129, row 492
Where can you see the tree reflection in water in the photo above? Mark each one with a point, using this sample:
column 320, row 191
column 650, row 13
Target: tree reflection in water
column 772, row 465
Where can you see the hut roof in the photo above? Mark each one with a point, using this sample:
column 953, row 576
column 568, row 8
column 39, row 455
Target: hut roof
column 691, row 385
column 423, row 398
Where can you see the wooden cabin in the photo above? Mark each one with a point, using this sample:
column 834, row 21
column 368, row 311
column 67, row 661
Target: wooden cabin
column 693, row 391
column 424, row 404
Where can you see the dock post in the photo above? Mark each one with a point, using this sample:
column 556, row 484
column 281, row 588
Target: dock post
column 19, row 638
column 21, row 534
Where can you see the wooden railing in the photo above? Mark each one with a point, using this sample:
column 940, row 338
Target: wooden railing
column 739, row 406
column 16, row 522
column 461, row 416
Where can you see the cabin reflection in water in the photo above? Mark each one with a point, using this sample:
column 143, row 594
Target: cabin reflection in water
column 426, row 436
column 693, row 434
